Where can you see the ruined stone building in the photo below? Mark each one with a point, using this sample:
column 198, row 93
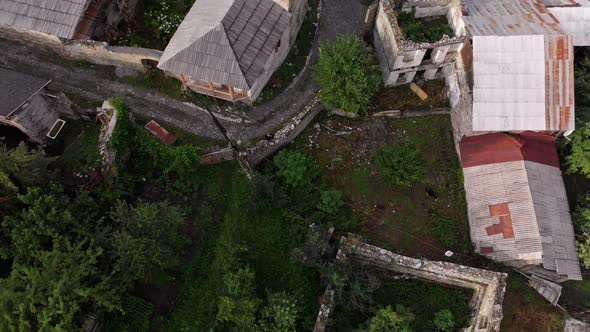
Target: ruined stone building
column 400, row 58
column 229, row 49
column 27, row 104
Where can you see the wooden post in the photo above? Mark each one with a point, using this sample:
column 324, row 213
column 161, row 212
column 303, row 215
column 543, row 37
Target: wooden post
column 231, row 93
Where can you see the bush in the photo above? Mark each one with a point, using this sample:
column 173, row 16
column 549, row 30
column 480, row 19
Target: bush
column 296, row 168
column 578, row 161
column 387, row 320
column 330, row 201
column 400, row 165
column 582, row 222
column 444, row 321
column 421, row 31
column 347, row 74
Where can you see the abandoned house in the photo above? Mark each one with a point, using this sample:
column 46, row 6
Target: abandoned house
column 229, row 49
column 516, row 202
column 402, row 58
column 69, row 19
column 26, row 104
column 523, row 67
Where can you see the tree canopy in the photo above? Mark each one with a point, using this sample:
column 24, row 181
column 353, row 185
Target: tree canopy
column 347, row 74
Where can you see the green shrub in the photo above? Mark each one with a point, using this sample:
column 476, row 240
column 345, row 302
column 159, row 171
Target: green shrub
column 296, row 168
column 444, row 321
column 387, row 320
column 347, row 74
column 578, row 160
column 280, row 314
column 581, row 218
column 421, row 31
column 445, row 231
column 400, row 165
column 330, row 201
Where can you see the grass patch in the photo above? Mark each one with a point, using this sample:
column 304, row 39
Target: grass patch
column 296, row 58
column 525, row 310
column 583, row 285
column 411, row 214
column 422, row 30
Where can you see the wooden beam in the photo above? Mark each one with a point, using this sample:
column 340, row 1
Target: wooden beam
column 231, row 92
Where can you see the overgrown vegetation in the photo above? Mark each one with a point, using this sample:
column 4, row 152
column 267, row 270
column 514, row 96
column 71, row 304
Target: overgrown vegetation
column 400, row 165
column 158, row 24
column 348, row 75
column 422, row 30
column 388, row 307
column 297, row 57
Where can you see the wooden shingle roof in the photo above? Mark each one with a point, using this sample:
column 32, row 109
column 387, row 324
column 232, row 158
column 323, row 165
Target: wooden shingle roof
column 226, row 41
column 56, row 17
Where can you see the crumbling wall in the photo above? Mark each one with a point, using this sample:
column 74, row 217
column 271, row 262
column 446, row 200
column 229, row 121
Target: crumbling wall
column 489, row 287
column 92, row 51
column 400, row 58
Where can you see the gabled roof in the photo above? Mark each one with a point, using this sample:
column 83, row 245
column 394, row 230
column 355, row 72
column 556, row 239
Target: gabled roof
column 16, row 89
column 517, row 203
column 226, row 41
column 56, row 17
column 523, row 69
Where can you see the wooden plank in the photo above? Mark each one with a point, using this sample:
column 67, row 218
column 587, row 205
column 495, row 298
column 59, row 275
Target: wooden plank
column 418, row 91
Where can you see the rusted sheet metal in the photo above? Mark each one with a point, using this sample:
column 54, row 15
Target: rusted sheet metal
column 559, row 78
column 517, row 205
column 155, row 129
column 218, row 156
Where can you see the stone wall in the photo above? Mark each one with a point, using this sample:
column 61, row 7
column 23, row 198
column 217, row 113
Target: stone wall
column 100, row 53
column 488, row 287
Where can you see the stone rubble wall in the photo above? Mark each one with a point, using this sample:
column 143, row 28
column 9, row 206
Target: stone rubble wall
column 489, row 287
column 100, row 53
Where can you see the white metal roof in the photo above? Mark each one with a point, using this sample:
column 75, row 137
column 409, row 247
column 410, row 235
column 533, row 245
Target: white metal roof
column 509, row 83
column 574, row 21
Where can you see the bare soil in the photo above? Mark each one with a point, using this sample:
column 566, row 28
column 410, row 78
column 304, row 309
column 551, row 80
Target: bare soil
column 397, row 218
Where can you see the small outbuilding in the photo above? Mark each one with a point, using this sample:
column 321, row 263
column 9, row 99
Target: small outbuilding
column 26, row 104
column 516, row 202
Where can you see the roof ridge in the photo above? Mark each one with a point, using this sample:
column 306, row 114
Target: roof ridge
column 233, row 52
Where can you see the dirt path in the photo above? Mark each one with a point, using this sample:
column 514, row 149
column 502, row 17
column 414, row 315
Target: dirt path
column 339, row 17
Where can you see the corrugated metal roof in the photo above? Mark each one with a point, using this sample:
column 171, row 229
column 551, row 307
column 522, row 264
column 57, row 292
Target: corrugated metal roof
column 559, row 3
column 574, row 21
column 226, row 41
column 509, row 18
column 518, row 210
column 56, row 17
column 522, row 67
column 155, row 129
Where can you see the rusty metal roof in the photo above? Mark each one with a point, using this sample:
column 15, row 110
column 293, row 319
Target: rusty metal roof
column 517, row 205
column 575, row 21
column 155, row 129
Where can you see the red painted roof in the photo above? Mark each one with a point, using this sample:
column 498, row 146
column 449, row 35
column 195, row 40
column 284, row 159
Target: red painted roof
column 161, row 133
column 501, row 147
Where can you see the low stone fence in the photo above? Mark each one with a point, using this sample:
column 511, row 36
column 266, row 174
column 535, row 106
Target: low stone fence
column 488, row 286
column 100, row 53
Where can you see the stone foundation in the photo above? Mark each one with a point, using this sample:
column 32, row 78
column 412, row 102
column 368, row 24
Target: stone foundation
column 488, row 287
